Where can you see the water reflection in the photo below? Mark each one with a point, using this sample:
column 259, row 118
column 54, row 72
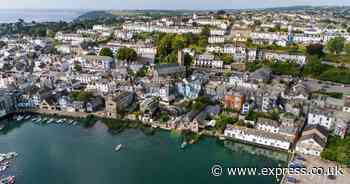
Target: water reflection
column 9, row 125
column 253, row 150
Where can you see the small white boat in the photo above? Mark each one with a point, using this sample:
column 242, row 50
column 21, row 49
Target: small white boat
column 11, row 155
column 38, row 120
column 27, row 117
column 2, row 126
column 183, row 145
column 118, row 148
column 7, row 180
column 5, row 164
column 3, row 168
column 19, row 118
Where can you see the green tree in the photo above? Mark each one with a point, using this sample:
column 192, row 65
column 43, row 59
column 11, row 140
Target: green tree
column 347, row 48
column 178, row 42
column 142, row 72
column 81, row 96
column 203, row 41
column 77, row 67
column 106, row 52
column 338, row 150
column 226, row 58
column 340, row 75
column 313, row 67
column 50, row 33
column 205, row 31
column 224, row 120
column 188, row 59
column 285, row 68
column 336, row 45
column 227, row 73
column 165, row 45
column 201, row 102
column 170, row 58
column 315, row 49
column 126, row 54
column 164, row 117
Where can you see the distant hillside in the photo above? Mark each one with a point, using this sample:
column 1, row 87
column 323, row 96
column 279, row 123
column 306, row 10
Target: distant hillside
column 112, row 14
column 150, row 12
column 93, row 15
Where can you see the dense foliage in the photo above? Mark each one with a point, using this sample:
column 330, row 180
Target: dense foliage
column 285, row 68
column 331, row 94
column 340, row 75
column 81, row 96
column 226, row 58
column 338, row 150
column 126, row 54
column 201, row 102
column 169, row 44
column 106, row 52
column 224, row 120
column 336, row 45
column 164, row 117
column 51, row 28
column 315, row 50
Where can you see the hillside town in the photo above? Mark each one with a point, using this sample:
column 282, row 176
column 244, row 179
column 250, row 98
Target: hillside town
column 277, row 79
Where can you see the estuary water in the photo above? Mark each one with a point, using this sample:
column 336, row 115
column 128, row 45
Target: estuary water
column 64, row 154
column 10, row 16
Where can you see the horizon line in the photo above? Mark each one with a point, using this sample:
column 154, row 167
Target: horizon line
column 179, row 9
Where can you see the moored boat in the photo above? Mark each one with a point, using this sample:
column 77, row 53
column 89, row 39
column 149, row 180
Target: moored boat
column 3, row 168
column 27, row 117
column 118, row 147
column 183, row 145
column 38, row 120
column 2, row 126
column 50, row 121
column 7, row 180
column 19, row 118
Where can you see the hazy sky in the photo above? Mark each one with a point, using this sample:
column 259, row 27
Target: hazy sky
column 160, row 4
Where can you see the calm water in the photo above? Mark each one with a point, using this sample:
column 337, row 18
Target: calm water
column 58, row 154
column 7, row 16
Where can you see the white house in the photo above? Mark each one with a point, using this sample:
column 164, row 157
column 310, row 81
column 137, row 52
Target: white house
column 216, row 39
column 268, row 36
column 312, row 141
column 74, row 38
column 268, row 125
column 123, row 34
column 307, row 39
column 284, row 56
column 147, row 27
column 321, row 117
column 207, row 60
column 87, row 78
column 241, row 81
column 214, row 48
column 218, row 32
column 258, row 137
